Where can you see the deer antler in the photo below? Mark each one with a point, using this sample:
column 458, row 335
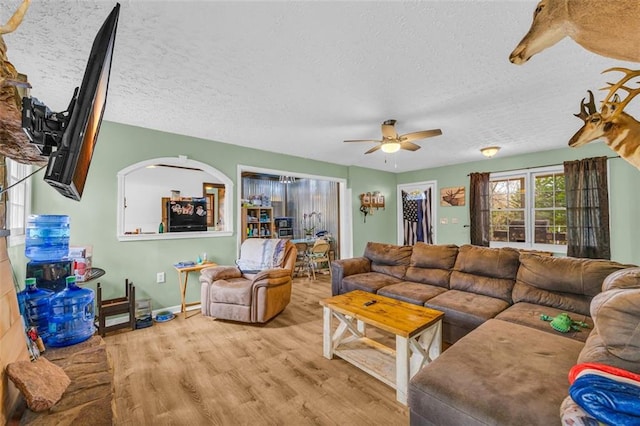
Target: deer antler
column 587, row 109
column 16, row 19
column 618, row 106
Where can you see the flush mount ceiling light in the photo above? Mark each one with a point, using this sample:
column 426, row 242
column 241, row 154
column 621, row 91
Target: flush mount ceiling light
column 490, row 151
column 390, row 147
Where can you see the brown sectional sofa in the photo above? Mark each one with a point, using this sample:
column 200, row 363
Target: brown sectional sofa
column 505, row 365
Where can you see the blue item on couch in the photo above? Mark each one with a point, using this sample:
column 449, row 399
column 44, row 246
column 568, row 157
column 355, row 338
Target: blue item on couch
column 610, row 401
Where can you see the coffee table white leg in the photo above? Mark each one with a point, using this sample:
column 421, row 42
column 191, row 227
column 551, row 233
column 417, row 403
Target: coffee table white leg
column 327, row 341
column 402, row 368
column 425, row 347
column 435, row 347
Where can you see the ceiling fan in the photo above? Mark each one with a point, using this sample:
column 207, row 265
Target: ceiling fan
column 392, row 142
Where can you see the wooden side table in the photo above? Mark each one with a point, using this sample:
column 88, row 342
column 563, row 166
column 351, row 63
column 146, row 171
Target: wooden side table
column 183, row 277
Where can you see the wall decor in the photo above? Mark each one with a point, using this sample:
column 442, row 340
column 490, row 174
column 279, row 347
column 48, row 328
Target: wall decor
column 583, row 21
column 452, row 196
column 619, row 130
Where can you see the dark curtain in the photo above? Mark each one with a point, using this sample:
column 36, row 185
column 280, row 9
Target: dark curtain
column 479, row 208
column 587, row 208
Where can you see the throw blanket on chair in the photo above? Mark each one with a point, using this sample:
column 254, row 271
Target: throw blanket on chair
column 258, row 254
column 609, row 394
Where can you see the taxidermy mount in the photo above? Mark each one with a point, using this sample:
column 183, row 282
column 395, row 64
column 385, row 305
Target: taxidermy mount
column 608, row 28
column 619, row 130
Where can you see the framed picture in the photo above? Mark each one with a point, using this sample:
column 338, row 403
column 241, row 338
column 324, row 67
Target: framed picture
column 366, row 198
column 452, row 196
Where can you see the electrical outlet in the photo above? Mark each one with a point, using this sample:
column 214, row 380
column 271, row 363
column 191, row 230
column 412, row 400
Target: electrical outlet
column 160, row 277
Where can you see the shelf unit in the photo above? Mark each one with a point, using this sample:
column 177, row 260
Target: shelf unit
column 257, row 222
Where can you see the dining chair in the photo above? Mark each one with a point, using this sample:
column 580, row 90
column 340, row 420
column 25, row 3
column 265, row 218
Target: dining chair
column 302, row 259
column 319, row 254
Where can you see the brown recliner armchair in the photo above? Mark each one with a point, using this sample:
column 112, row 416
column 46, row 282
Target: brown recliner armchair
column 238, row 294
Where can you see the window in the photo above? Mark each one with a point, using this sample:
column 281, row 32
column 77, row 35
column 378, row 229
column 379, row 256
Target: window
column 528, row 209
column 17, row 200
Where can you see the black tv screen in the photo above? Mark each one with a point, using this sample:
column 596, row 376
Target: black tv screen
column 69, row 164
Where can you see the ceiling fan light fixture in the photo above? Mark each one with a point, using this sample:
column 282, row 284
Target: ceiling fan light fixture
column 490, row 151
column 390, row 147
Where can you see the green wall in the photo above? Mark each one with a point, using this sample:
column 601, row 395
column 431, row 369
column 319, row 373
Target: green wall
column 381, row 225
column 624, row 198
column 93, row 220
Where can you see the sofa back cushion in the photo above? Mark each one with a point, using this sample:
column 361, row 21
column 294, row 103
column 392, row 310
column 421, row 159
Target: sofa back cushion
column 432, row 264
column 388, row 259
column 488, row 271
column 566, row 283
column 616, row 314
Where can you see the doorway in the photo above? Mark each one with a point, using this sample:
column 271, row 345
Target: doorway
column 417, row 213
column 308, row 204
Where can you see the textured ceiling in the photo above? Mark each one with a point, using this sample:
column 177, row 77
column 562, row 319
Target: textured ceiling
column 300, row 77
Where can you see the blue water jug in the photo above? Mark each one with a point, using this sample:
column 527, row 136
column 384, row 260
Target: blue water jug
column 34, row 304
column 71, row 317
column 47, row 237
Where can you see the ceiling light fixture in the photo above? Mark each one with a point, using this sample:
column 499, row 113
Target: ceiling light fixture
column 390, row 147
column 287, row 179
column 490, row 151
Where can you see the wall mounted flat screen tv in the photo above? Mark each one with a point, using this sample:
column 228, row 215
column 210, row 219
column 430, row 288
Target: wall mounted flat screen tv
column 74, row 133
column 68, row 166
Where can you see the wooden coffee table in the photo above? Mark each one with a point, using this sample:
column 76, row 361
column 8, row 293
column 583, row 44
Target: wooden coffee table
column 418, row 332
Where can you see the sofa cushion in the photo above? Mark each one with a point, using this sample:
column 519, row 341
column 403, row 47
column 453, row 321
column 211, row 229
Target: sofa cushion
column 464, row 311
column 595, row 350
column 529, row 314
column 411, row 292
column 369, row 281
column 432, row 264
column 487, row 271
column 625, row 278
column 388, row 259
column 616, row 313
column 565, row 283
column 502, row 373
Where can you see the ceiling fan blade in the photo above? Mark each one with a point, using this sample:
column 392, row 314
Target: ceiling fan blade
column 409, row 146
column 409, row 137
column 389, row 130
column 374, row 149
column 363, row 140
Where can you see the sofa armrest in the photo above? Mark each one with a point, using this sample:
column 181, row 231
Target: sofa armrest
column 342, row 268
column 209, row 275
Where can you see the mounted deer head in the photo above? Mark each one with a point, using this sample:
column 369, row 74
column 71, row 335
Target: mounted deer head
column 608, row 28
column 619, row 130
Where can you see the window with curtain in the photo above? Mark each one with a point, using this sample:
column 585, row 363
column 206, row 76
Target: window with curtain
column 587, row 208
column 522, row 208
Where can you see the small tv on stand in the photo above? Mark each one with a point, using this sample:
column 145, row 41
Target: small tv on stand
column 68, row 138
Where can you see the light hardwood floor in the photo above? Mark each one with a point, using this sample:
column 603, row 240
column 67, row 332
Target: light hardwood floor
column 201, row 371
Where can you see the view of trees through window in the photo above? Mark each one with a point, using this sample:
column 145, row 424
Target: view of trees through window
column 529, row 208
